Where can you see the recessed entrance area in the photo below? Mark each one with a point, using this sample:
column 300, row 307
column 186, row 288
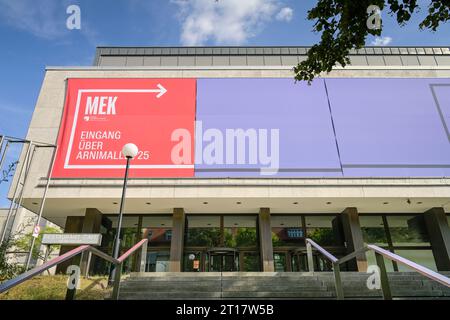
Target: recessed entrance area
column 223, row 259
column 221, row 243
column 232, row 242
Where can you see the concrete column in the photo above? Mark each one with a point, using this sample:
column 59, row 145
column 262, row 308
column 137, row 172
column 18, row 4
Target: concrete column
column 265, row 238
column 91, row 224
column 92, row 221
column 439, row 234
column 353, row 237
column 177, row 243
column 73, row 225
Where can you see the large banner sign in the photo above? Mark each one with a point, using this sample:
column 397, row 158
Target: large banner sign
column 240, row 127
column 285, row 126
column 392, row 127
column 102, row 115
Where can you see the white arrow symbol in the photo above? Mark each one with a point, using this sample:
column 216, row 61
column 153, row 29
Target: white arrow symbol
column 162, row 90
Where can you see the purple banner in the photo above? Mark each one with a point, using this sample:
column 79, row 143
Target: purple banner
column 285, row 128
column 356, row 127
column 391, row 127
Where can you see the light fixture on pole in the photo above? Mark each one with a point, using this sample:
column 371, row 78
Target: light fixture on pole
column 130, row 151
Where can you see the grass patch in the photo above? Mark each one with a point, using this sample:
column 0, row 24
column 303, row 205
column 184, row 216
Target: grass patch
column 55, row 287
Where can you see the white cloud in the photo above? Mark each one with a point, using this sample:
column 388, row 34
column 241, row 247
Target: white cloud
column 285, row 14
column 381, row 41
column 223, row 21
column 43, row 18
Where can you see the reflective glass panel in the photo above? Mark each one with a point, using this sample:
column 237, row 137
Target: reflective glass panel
column 279, row 260
column 422, row 257
column 287, row 231
column 320, row 230
column 251, row 262
column 373, row 231
column 158, row 230
column 240, row 231
column 128, row 232
column 203, row 231
column 157, row 261
column 408, row 230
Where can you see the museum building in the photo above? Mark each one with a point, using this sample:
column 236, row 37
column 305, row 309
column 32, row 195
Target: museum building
column 238, row 164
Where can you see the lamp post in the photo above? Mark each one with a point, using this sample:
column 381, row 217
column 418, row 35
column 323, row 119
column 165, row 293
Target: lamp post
column 129, row 150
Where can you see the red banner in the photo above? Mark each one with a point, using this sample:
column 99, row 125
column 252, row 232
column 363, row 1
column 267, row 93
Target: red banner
column 102, row 115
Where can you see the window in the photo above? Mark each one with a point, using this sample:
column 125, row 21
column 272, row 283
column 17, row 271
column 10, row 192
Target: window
column 158, row 230
column 240, row 231
column 128, row 238
column 408, row 230
column 251, row 262
column 203, row 231
column 422, row 257
column 157, row 261
column 320, row 229
column 373, row 230
column 287, row 230
column 128, row 232
column 221, row 231
column 279, row 260
column 405, row 235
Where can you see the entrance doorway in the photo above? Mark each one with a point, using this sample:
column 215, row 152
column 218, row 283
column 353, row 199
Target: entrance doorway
column 221, row 243
column 223, row 260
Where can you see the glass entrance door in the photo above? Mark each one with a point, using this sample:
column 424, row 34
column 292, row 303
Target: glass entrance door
column 221, row 243
column 223, row 260
column 223, row 263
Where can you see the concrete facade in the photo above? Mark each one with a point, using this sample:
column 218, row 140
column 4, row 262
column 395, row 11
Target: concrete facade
column 71, row 197
column 366, row 194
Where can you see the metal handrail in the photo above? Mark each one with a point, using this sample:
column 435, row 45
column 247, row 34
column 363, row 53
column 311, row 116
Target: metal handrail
column 380, row 254
column 330, row 257
column 74, row 252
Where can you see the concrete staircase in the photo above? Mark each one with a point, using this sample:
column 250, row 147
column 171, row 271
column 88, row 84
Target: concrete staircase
column 259, row 285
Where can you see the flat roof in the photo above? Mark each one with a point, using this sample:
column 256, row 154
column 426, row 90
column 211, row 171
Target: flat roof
column 262, row 56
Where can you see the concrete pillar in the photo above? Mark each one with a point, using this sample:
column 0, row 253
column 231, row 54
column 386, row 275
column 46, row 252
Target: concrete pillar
column 73, row 225
column 177, row 243
column 439, row 234
column 265, row 238
column 92, row 221
column 353, row 237
column 91, row 224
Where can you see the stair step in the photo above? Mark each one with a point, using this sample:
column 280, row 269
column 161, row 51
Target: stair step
column 169, row 295
column 271, row 294
column 251, row 285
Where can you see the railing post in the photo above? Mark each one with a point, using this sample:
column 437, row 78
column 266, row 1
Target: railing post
column 70, row 294
column 383, row 277
column 310, row 257
column 88, row 264
column 338, row 281
column 72, row 282
column 143, row 257
column 116, row 285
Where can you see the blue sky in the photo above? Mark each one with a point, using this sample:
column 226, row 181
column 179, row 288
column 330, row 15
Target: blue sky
column 33, row 35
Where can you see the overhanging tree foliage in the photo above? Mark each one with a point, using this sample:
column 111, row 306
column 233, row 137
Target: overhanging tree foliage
column 343, row 24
